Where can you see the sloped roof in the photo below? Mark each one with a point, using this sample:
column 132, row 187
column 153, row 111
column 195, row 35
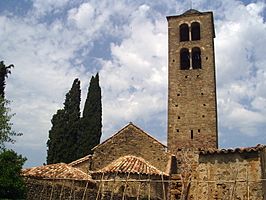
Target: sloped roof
column 131, row 164
column 259, row 147
column 130, row 124
column 83, row 159
column 55, row 171
column 191, row 11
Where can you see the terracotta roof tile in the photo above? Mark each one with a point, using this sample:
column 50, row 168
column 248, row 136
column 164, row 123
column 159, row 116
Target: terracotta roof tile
column 83, row 159
column 236, row 150
column 55, row 171
column 131, row 164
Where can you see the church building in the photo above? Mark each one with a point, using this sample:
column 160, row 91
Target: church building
column 132, row 164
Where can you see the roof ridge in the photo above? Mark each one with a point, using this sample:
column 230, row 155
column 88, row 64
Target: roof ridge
column 126, row 126
column 128, row 164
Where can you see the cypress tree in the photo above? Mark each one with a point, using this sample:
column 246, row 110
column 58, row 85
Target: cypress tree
column 62, row 142
column 91, row 121
column 56, row 136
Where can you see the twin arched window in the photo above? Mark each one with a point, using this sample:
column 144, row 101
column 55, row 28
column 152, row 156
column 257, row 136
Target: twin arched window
column 185, row 60
column 184, row 31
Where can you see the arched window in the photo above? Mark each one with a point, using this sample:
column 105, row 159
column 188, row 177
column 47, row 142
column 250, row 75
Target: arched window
column 195, row 31
column 184, row 59
column 196, row 58
column 184, row 32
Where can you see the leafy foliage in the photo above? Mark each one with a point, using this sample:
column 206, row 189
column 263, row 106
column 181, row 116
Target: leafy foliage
column 6, row 132
column 11, row 184
column 62, row 142
column 4, row 71
column 91, row 121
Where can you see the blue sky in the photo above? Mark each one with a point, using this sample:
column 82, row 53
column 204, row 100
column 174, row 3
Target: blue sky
column 54, row 41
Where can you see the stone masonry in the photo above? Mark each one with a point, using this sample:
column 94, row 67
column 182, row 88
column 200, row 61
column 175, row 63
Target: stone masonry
column 192, row 117
column 131, row 141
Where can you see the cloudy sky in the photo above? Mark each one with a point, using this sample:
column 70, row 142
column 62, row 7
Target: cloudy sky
column 52, row 42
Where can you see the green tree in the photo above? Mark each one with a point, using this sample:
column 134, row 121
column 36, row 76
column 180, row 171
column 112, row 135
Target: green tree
column 11, row 183
column 56, row 136
column 4, row 71
column 91, row 121
column 6, row 132
column 62, row 142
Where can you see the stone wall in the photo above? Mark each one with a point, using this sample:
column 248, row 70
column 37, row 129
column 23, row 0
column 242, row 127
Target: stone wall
column 61, row 190
column 228, row 176
column 131, row 141
column 263, row 169
column 134, row 185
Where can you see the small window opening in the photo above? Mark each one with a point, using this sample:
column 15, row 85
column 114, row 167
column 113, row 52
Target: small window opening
column 178, row 117
column 204, row 104
column 203, row 116
column 176, row 105
column 191, row 134
column 184, row 59
column 177, row 130
column 178, row 94
column 196, row 58
column 198, row 130
column 186, row 76
column 195, row 31
column 202, row 93
column 184, row 32
column 173, row 60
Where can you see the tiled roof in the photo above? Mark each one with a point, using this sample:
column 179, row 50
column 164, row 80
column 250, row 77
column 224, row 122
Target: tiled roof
column 83, row 159
column 236, row 150
column 131, row 164
column 130, row 124
column 55, row 171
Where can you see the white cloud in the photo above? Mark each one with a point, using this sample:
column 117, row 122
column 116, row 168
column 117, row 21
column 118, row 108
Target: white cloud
column 240, row 44
column 134, row 81
column 48, row 6
column 83, row 16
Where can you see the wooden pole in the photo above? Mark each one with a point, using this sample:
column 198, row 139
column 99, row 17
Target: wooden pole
column 113, row 187
column 164, row 197
column 149, row 196
column 42, row 192
column 234, row 186
column 84, row 193
column 51, row 196
column 72, row 184
column 125, row 189
column 139, row 188
column 247, row 180
column 98, row 193
column 61, row 191
column 208, row 182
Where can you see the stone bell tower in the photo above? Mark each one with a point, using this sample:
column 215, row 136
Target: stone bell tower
column 192, row 109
